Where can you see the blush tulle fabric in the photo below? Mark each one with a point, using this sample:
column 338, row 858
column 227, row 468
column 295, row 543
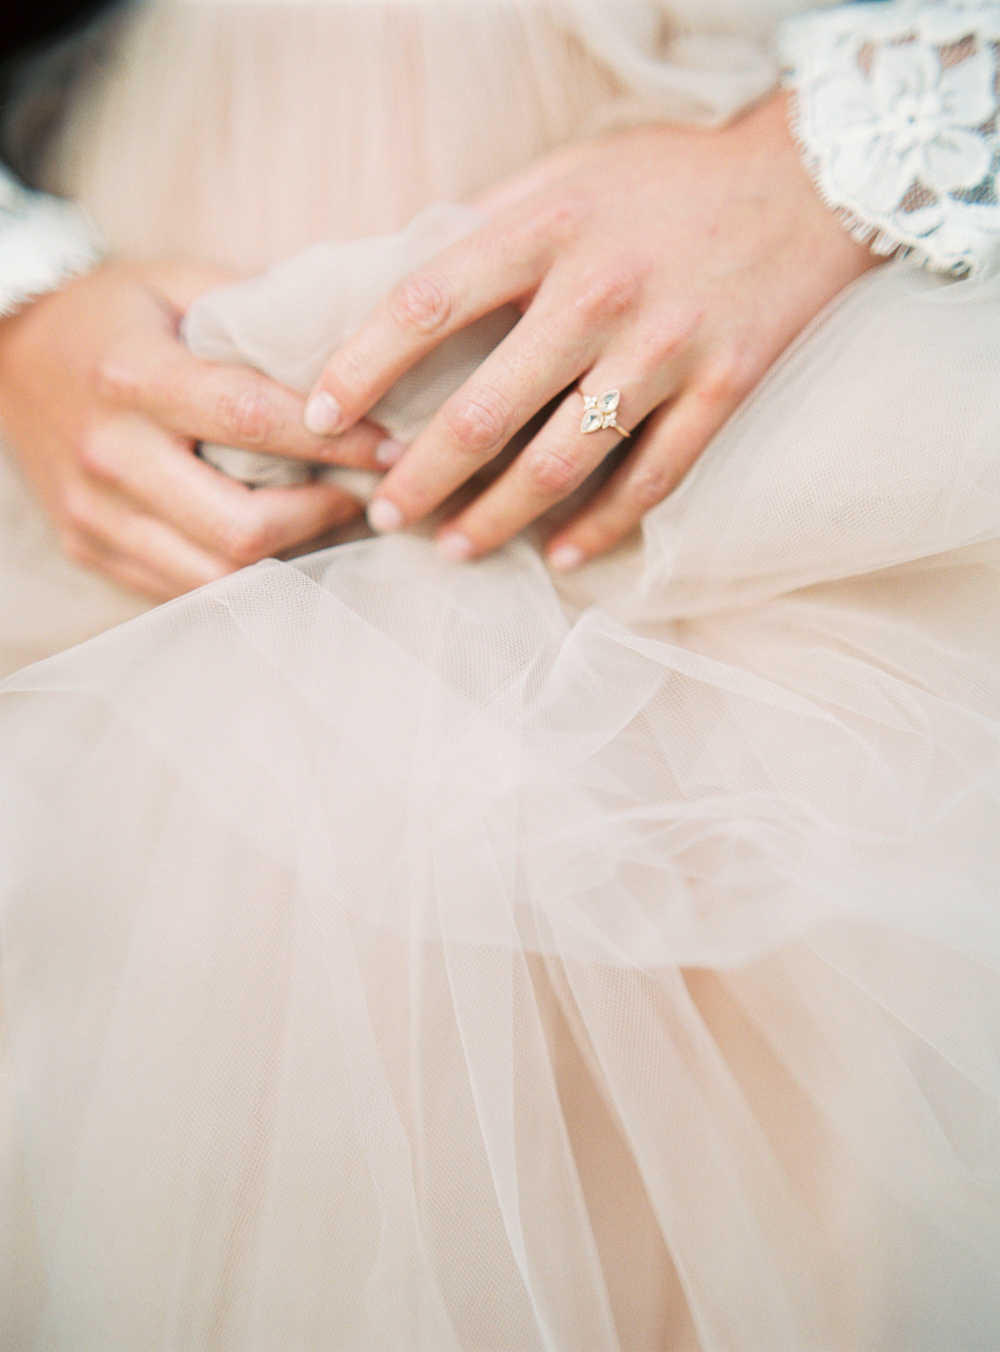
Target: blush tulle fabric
column 406, row 956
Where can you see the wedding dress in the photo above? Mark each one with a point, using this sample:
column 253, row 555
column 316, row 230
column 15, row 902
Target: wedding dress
column 402, row 955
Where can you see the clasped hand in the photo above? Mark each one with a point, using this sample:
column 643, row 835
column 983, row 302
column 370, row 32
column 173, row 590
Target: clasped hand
column 104, row 406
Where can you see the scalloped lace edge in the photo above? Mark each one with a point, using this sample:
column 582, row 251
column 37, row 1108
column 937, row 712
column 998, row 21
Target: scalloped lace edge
column 44, row 242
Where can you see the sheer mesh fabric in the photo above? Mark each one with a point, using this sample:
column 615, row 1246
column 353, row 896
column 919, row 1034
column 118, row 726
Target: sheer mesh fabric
column 406, row 956
column 311, row 876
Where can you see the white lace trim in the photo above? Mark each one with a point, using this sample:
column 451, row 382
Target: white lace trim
column 43, row 242
column 896, row 113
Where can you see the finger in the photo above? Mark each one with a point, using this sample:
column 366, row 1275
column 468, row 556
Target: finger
column 181, row 285
column 556, row 462
column 502, row 262
column 543, row 355
column 129, row 575
column 215, row 512
column 643, row 367
column 674, row 438
column 92, row 554
column 119, row 537
column 155, row 374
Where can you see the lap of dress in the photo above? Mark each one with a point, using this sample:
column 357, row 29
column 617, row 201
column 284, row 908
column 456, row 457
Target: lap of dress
column 405, row 956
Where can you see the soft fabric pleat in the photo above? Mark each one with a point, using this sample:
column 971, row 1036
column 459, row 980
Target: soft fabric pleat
column 397, row 955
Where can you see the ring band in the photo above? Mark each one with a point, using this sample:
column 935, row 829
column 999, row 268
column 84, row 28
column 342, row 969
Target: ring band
column 599, row 413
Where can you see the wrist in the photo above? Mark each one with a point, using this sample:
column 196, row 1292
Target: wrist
column 770, row 137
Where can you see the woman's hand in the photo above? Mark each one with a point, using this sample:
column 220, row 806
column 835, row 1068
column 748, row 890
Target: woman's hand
column 104, row 404
column 672, row 265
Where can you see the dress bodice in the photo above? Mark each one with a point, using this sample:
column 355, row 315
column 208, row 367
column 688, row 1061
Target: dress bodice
column 236, row 131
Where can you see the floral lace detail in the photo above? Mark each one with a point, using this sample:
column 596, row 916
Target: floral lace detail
column 896, row 109
column 43, row 242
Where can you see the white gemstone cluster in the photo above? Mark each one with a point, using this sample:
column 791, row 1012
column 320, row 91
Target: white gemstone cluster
column 599, row 412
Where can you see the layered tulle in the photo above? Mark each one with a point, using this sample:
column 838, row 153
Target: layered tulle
column 403, row 955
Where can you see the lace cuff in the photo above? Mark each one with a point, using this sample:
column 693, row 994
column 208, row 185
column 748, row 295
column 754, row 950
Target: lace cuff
column 896, row 113
column 43, row 242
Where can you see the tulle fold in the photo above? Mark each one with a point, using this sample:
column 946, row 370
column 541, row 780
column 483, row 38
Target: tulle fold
column 398, row 955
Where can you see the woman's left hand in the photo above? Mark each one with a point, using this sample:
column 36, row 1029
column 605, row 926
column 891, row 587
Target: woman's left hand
column 672, row 265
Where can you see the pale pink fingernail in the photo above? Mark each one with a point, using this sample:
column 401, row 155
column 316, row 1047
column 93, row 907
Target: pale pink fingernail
column 566, row 557
column 322, row 414
column 456, row 547
column 384, row 516
column 388, row 452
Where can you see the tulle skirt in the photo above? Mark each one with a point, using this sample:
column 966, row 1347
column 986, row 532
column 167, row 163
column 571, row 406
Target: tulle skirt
column 406, row 956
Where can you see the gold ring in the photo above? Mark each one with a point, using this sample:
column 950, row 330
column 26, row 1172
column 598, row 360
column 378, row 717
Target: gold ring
column 599, row 412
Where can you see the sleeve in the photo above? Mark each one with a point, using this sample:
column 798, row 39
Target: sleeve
column 895, row 110
column 44, row 241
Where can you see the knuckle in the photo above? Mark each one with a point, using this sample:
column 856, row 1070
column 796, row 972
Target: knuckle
column 344, row 507
column 346, row 372
column 670, row 337
column 118, row 376
column 602, row 535
column 562, row 217
column 728, row 375
column 77, row 508
column 246, row 540
column 96, row 455
column 607, row 293
column 247, row 416
column 478, row 422
column 75, row 546
column 246, row 545
column 215, row 569
column 651, row 485
column 422, row 302
column 550, row 473
column 605, row 537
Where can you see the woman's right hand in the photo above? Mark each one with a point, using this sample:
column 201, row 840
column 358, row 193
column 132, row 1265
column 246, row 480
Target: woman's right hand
column 104, row 405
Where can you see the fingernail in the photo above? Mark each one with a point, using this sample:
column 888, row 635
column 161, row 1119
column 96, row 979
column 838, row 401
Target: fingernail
column 456, row 547
column 388, row 452
column 322, row 414
column 384, row 516
column 566, row 557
